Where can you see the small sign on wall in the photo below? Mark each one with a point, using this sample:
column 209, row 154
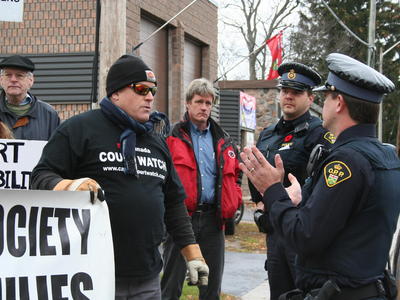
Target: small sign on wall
column 12, row 11
column 247, row 111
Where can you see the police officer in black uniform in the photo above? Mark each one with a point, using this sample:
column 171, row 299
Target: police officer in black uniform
column 293, row 137
column 343, row 227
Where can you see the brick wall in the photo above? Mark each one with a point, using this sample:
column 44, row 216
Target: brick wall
column 65, row 26
column 52, row 26
column 66, row 111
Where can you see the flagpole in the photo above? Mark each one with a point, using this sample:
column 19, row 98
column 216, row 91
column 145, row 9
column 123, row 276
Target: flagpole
column 165, row 24
column 246, row 57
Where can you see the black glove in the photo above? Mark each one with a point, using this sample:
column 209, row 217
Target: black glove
column 262, row 221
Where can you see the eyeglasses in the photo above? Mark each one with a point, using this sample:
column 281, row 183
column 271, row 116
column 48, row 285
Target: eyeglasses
column 18, row 76
column 142, row 89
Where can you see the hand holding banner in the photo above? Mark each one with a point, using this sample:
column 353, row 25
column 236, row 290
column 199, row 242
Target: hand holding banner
column 51, row 244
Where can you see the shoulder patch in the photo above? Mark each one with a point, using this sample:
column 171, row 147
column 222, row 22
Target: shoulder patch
column 231, row 154
column 330, row 137
column 336, row 172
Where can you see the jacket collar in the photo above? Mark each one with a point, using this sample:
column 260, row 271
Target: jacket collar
column 33, row 112
column 291, row 124
column 354, row 132
column 216, row 131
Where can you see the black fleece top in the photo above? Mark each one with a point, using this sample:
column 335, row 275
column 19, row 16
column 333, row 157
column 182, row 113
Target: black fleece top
column 88, row 145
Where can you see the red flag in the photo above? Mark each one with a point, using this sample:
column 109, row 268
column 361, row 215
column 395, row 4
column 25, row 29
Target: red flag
column 275, row 46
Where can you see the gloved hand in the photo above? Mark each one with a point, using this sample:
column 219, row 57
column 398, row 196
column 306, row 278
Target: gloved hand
column 197, row 268
column 198, row 272
column 81, row 184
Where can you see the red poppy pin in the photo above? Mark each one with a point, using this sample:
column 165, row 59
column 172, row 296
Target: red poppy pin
column 118, row 145
column 288, row 138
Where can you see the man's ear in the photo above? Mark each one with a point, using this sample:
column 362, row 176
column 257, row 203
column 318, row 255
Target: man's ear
column 32, row 78
column 340, row 104
column 114, row 96
column 312, row 97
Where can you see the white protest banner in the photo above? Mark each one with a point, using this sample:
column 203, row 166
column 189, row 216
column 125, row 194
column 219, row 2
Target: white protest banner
column 247, row 111
column 17, row 159
column 55, row 245
column 12, row 10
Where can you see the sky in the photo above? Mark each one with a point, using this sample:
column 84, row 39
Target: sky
column 231, row 47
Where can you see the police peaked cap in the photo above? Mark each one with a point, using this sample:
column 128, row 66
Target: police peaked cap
column 19, row 62
column 298, row 76
column 352, row 77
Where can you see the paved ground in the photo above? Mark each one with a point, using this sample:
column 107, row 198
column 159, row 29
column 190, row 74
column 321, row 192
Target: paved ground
column 244, row 274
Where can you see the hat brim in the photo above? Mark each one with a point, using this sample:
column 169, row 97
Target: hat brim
column 17, row 66
column 321, row 88
column 294, row 85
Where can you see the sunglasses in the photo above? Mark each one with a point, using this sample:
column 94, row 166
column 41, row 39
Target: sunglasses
column 142, row 89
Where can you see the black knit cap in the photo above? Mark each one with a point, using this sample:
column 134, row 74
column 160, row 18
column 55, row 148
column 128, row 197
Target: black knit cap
column 19, row 62
column 126, row 70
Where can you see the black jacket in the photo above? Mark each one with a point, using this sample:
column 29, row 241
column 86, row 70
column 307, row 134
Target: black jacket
column 88, row 145
column 43, row 120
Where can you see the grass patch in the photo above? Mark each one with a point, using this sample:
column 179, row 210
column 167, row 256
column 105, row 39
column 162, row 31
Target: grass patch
column 247, row 238
column 192, row 293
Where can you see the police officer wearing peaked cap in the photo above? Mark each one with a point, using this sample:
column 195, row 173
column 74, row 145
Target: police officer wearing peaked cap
column 343, row 228
column 298, row 76
column 356, row 79
column 293, row 137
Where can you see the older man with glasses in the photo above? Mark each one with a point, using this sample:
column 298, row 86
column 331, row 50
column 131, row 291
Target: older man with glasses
column 118, row 148
column 28, row 117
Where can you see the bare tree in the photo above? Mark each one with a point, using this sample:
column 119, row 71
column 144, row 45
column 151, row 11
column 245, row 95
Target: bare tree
column 257, row 23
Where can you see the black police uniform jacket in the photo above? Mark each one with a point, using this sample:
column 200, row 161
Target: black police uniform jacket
column 343, row 228
column 88, row 145
column 294, row 141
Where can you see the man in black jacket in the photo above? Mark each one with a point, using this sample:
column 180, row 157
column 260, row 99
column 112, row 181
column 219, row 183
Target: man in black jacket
column 28, row 117
column 116, row 148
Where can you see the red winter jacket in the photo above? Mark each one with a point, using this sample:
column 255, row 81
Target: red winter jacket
column 229, row 193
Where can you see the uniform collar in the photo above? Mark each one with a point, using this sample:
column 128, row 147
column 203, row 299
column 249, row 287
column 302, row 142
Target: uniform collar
column 291, row 124
column 356, row 131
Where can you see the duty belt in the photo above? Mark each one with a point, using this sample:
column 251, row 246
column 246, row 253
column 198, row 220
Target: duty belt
column 332, row 292
column 374, row 289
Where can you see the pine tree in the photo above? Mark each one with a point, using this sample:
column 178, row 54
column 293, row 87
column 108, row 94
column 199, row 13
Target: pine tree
column 319, row 34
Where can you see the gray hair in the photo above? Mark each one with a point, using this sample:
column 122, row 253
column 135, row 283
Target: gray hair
column 28, row 73
column 202, row 87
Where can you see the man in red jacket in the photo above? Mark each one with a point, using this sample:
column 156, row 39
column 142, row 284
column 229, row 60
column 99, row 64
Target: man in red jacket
column 206, row 160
